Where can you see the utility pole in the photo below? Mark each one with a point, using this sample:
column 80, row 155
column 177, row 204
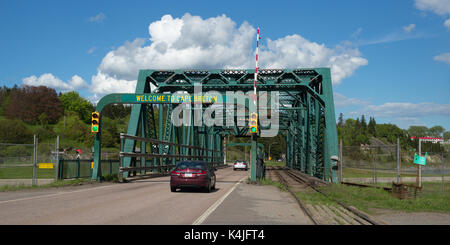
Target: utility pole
column 33, row 181
column 398, row 160
column 340, row 161
column 225, row 150
column 253, row 153
column 419, row 166
column 57, row 158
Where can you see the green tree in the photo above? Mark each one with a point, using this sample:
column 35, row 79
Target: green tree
column 418, row 131
column 363, row 123
column 447, row 135
column 74, row 129
column 72, row 101
column 4, row 98
column 110, row 132
column 43, row 119
column 115, row 111
column 371, row 127
column 436, row 131
column 14, row 131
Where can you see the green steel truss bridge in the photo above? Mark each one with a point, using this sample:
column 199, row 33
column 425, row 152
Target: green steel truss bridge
column 305, row 111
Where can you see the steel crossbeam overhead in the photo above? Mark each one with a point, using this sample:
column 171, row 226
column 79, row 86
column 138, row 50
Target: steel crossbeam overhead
column 305, row 112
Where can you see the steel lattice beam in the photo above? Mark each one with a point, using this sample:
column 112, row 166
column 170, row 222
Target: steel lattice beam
column 306, row 114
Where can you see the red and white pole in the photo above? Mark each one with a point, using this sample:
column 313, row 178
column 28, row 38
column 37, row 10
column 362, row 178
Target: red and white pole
column 256, row 70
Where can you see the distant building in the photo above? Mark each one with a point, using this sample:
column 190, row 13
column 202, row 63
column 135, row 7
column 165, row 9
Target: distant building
column 429, row 139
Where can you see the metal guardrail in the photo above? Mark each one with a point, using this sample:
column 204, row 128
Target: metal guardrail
column 132, row 137
column 82, row 168
column 122, row 154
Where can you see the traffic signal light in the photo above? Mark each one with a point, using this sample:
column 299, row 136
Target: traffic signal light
column 253, row 123
column 95, row 122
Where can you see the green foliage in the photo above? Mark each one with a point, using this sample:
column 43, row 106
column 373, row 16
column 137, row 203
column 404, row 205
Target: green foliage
column 431, row 199
column 114, row 111
column 447, row 135
column 43, row 119
column 74, row 128
column 111, row 178
column 57, row 184
column 356, row 132
column 44, row 132
column 4, row 98
column 14, row 131
column 418, row 131
column 16, row 151
column 371, row 127
column 353, row 132
column 110, row 134
column 436, row 131
column 72, row 101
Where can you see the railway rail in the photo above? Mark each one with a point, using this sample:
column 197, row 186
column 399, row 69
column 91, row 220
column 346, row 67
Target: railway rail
column 320, row 214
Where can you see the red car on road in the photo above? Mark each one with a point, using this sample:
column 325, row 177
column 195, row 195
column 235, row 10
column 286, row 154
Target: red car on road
column 197, row 174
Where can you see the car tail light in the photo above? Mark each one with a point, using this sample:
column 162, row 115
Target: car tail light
column 174, row 172
column 203, row 172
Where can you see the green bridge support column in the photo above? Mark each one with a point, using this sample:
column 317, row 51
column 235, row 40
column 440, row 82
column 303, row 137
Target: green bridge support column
column 97, row 171
column 253, row 153
column 331, row 141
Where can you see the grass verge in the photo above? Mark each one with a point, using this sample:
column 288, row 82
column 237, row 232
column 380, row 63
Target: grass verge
column 268, row 181
column 59, row 183
column 432, row 198
column 25, row 173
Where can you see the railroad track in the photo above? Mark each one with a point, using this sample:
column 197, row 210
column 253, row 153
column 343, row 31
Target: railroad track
column 320, row 214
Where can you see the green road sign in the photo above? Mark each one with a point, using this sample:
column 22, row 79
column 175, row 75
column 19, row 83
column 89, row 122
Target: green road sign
column 419, row 159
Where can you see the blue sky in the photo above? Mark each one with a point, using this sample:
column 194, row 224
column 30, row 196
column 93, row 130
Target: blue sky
column 389, row 59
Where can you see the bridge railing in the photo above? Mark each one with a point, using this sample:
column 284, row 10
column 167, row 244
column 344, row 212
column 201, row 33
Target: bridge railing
column 212, row 156
column 82, row 168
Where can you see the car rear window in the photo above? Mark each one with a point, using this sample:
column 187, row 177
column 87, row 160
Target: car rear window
column 191, row 165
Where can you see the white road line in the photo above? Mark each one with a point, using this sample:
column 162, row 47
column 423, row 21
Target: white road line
column 53, row 195
column 211, row 209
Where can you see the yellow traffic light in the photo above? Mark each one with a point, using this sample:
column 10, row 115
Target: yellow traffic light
column 95, row 122
column 253, row 123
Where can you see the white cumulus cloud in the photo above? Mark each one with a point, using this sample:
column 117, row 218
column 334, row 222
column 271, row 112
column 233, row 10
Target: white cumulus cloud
column 409, row 28
column 341, row 100
column 191, row 42
column 49, row 80
column 440, row 7
column 98, row 18
column 445, row 57
column 403, row 110
column 447, row 24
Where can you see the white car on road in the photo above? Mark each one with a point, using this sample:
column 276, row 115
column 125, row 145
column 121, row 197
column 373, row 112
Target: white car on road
column 239, row 164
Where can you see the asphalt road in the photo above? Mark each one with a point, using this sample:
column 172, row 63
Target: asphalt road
column 146, row 201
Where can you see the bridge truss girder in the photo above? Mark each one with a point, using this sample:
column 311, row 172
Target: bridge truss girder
column 306, row 115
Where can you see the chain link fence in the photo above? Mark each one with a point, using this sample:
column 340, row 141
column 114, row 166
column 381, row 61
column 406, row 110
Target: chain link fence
column 383, row 165
column 19, row 163
column 36, row 164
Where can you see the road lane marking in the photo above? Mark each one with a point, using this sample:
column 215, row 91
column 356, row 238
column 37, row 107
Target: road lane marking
column 52, row 195
column 211, row 209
